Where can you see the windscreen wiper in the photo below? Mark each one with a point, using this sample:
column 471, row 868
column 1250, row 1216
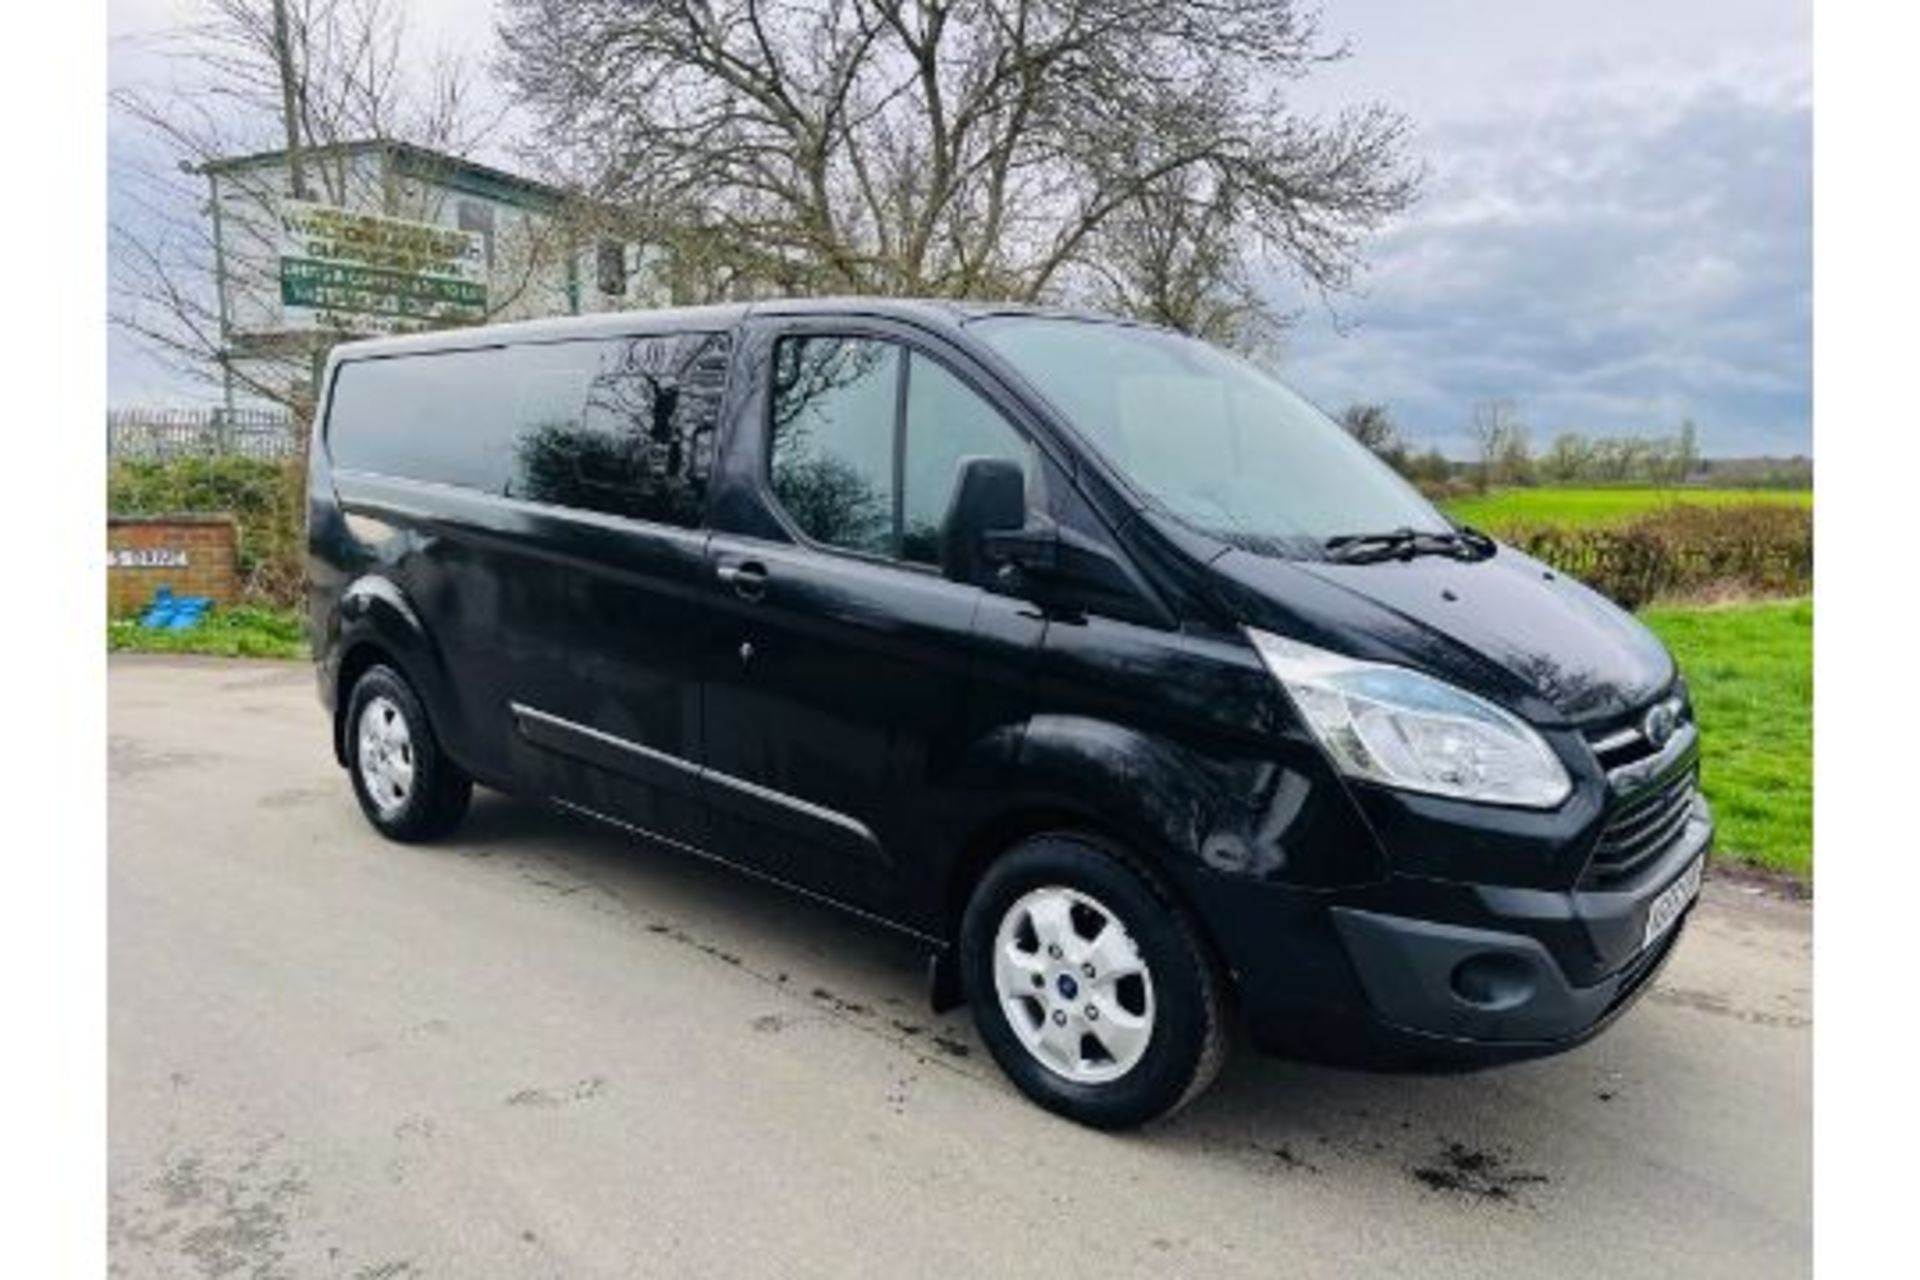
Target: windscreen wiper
column 1462, row 543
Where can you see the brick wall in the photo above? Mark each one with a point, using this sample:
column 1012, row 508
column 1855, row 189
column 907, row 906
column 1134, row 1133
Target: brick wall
column 208, row 543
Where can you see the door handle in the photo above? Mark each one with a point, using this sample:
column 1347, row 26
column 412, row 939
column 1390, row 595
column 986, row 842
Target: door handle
column 748, row 578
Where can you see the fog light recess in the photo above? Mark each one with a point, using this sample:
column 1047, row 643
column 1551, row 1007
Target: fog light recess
column 1494, row 980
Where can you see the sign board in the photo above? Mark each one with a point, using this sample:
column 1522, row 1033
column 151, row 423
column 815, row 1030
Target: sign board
column 364, row 273
column 146, row 558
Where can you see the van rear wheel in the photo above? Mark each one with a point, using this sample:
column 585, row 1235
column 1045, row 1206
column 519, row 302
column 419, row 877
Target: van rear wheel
column 406, row 786
column 1090, row 985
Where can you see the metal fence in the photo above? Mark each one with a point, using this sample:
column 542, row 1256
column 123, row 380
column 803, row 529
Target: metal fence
column 202, row 433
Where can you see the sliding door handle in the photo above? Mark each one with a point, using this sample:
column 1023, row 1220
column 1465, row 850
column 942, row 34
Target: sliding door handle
column 748, row 578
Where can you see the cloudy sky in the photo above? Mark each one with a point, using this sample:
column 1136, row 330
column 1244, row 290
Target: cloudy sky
column 1615, row 234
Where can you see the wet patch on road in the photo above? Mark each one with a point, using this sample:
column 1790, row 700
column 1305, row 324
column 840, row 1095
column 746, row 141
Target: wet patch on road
column 128, row 758
column 865, row 1017
column 295, row 797
column 221, row 1218
column 1720, row 1007
column 387, row 1271
column 560, row 887
column 582, row 1091
column 1287, row 1158
column 952, row 1048
column 675, row 933
column 413, row 1140
column 946, row 1044
column 415, row 1128
column 282, row 676
column 902, row 1090
column 1474, row 1173
column 839, row 1004
column 414, row 1031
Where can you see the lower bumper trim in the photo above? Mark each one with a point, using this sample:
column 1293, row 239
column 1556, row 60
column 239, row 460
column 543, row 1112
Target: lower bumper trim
column 1475, row 986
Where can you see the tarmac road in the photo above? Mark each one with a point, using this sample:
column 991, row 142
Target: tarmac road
column 541, row 1049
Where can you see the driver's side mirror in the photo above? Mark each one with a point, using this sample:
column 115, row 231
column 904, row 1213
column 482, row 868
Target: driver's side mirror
column 989, row 497
column 989, row 539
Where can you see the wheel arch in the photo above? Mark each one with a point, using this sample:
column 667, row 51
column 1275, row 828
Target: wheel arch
column 379, row 626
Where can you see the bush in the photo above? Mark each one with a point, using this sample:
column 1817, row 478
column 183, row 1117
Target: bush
column 267, row 498
column 1681, row 551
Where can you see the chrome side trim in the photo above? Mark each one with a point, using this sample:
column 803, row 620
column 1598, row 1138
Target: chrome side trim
column 860, row 832
column 819, row 813
column 623, row 745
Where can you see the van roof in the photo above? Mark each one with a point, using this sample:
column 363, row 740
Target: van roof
column 931, row 312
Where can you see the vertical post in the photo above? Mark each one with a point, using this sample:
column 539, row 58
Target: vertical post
column 220, row 292
column 573, row 272
column 289, row 110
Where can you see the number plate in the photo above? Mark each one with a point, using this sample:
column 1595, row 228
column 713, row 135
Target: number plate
column 1666, row 908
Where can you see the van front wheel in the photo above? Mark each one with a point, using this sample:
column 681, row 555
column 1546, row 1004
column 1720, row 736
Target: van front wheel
column 406, row 786
column 1090, row 985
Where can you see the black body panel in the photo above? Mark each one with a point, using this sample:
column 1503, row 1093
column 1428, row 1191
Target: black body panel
column 874, row 733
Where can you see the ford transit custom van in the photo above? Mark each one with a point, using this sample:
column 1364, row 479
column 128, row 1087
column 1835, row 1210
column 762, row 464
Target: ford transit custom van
column 1083, row 652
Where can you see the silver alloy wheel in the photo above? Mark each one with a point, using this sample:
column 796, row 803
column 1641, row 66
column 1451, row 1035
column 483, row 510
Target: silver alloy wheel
column 385, row 755
column 1073, row 985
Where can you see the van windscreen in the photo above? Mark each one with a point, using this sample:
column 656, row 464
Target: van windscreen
column 1208, row 437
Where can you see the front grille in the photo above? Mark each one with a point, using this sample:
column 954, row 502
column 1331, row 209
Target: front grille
column 1624, row 742
column 1641, row 830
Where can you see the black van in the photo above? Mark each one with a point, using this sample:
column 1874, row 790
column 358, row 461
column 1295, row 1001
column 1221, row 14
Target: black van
column 1086, row 653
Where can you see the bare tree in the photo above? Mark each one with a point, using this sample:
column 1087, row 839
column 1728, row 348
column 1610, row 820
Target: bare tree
column 1140, row 153
column 1175, row 257
column 1373, row 427
column 1569, row 458
column 1686, row 453
column 1495, row 427
column 304, row 78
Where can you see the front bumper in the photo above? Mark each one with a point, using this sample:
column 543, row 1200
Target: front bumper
column 1436, row 973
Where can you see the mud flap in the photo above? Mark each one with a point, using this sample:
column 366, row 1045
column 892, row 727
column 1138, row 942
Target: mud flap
column 944, row 989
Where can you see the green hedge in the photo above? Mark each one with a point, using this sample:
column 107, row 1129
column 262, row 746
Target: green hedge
column 1682, row 551
column 268, row 498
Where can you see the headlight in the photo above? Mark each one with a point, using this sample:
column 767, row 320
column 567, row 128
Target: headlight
column 1400, row 728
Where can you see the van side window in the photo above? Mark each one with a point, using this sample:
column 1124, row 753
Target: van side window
column 632, row 438
column 854, row 473
column 623, row 426
column 834, row 406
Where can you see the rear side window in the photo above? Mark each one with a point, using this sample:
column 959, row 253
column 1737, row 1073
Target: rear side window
column 622, row 426
column 867, row 439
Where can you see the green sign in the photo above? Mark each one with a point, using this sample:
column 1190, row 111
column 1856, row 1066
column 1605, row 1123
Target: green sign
column 360, row 272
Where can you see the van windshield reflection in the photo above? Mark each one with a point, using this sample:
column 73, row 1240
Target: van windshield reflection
column 1210, row 438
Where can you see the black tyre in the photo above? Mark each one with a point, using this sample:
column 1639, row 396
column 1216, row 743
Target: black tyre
column 1090, row 985
column 406, row 786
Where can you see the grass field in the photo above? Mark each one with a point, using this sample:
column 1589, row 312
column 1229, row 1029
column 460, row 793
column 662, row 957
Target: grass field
column 240, row 632
column 1750, row 668
column 1578, row 507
